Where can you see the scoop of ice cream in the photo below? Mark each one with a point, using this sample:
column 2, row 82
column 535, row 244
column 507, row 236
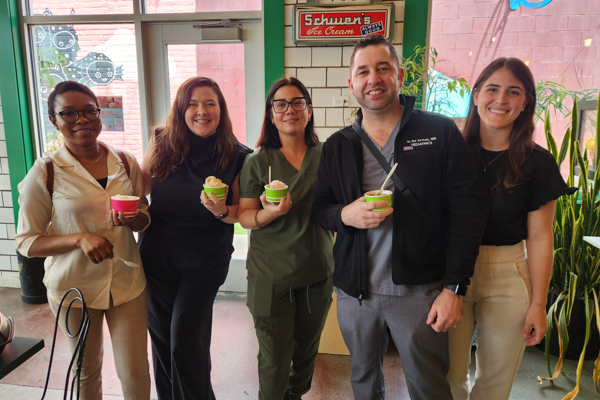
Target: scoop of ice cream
column 125, row 197
column 277, row 185
column 213, row 182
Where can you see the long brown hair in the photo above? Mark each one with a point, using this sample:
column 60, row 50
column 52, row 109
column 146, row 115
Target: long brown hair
column 521, row 141
column 269, row 135
column 172, row 144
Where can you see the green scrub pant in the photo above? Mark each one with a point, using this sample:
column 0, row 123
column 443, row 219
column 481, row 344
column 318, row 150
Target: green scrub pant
column 288, row 322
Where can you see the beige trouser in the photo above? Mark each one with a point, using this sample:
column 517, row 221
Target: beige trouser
column 495, row 306
column 127, row 324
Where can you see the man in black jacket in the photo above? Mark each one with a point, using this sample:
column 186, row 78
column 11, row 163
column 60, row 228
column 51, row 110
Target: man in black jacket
column 405, row 268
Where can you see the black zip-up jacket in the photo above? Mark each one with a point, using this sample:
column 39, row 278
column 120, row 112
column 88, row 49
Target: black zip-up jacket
column 435, row 163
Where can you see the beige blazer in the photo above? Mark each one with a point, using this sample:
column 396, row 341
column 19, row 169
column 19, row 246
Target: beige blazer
column 80, row 204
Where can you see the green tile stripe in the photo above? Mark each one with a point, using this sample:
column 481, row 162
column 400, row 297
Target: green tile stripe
column 274, row 40
column 416, row 16
column 14, row 98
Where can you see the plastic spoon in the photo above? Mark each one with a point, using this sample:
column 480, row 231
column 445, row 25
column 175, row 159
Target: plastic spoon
column 387, row 179
column 128, row 263
column 269, row 175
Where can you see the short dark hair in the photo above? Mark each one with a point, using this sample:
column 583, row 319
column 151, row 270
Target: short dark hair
column 269, row 136
column 69, row 86
column 375, row 40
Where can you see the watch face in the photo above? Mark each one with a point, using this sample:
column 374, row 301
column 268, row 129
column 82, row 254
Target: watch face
column 223, row 216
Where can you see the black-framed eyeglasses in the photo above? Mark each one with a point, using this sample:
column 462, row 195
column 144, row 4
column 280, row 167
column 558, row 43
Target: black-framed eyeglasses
column 71, row 116
column 281, row 106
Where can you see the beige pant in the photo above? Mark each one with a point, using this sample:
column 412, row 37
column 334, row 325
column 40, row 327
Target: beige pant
column 127, row 324
column 495, row 306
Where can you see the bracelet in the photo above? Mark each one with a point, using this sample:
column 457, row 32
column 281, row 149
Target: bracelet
column 259, row 226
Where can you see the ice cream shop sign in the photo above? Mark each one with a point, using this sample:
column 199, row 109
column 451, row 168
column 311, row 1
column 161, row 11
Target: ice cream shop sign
column 334, row 24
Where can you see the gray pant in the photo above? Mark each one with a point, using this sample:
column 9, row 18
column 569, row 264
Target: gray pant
column 423, row 351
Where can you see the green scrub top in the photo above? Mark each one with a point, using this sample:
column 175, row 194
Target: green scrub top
column 292, row 250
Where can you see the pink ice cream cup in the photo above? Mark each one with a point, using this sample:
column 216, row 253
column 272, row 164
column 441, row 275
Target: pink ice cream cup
column 125, row 204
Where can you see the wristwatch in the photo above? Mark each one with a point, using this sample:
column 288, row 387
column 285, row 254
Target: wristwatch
column 224, row 215
column 460, row 290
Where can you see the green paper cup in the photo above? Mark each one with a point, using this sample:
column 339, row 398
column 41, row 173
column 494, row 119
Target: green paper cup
column 374, row 196
column 275, row 195
column 218, row 191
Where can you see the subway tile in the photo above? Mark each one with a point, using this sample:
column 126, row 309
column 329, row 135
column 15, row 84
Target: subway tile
column 8, row 247
column 323, row 97
column 298, row 57
column 4, row 182
column 14, row 262
column 288, row 14
column 337, row 77
column 5, row 263
column 334, row 118
column 312, row 77
column 3, row 231
column 2, row 134
column 7, row 199
column 327, row 56
column 3, row 152
column 398, row 33
column 288, row 37
column 10, row 274
column 4, row 165
column 10, row 229
column 290, row 72
column 398, row 11
column 6, row 216
column 319, row 116
column 347, row 53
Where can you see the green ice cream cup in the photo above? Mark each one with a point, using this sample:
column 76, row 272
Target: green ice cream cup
column 218, row 191
column 275, row 195
column 374, row 196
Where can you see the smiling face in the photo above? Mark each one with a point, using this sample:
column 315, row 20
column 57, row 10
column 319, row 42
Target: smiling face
column 81, row 133
column 499, row 101
column 203, row 112
column 374, row 79
column 290, row 122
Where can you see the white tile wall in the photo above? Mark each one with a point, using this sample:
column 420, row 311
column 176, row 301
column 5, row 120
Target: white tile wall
column 324, row 71
column 313, row 77
column 8, row 271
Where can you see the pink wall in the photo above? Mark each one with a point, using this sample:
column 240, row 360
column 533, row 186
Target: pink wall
column 550, row 38
column 223, row 63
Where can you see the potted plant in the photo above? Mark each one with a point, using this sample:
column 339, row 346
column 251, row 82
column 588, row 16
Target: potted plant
column 576, row 271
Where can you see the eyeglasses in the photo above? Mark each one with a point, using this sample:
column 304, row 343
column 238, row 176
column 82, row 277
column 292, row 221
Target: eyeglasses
column 71, row 116
column 281, row 106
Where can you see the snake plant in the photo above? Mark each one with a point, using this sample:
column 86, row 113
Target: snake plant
column 576, row 270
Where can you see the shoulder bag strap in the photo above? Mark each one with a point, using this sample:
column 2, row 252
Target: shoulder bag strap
column 402, row 188
column 49, row 175
column 125, row 162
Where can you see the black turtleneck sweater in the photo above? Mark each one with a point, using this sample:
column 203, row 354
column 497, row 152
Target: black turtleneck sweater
column 183, row 231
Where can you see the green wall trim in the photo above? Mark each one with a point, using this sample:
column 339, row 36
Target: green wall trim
column 14, row 99
column 416, row 18
column 274, row 39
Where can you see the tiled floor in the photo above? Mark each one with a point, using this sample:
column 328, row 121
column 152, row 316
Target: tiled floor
column 234, row 349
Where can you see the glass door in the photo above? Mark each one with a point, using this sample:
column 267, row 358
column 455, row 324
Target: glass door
column 233, row 57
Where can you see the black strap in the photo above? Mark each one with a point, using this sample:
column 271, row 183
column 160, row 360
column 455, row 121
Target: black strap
column 402, row 188
column 49, row 175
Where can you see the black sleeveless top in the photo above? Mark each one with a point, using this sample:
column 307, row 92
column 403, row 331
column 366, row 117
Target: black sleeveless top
column 183, row 231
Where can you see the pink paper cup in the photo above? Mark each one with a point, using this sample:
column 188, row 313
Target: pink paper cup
column 125, row 206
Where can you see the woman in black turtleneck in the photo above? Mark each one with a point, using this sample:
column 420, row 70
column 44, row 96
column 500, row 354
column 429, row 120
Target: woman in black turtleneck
column 187, row 249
